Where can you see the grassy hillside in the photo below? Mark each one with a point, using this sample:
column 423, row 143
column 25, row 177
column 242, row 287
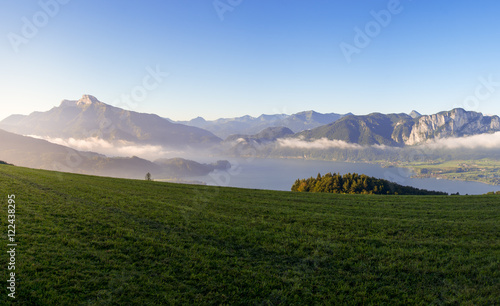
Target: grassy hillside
column 91, row 240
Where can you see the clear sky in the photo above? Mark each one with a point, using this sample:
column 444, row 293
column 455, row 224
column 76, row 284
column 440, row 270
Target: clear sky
column 251, row 57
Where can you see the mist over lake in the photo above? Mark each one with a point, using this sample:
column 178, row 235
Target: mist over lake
column 280, row 174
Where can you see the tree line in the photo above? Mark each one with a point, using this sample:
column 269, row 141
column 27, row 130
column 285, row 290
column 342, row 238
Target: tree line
column 353, row 183
column 493, row 193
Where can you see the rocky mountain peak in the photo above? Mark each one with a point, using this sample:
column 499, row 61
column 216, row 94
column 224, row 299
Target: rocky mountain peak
column 87, row 100
column 88, row 117
column 414, row 114
column 455, row 123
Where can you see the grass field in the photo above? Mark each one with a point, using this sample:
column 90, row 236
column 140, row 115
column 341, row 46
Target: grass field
column 86, row 240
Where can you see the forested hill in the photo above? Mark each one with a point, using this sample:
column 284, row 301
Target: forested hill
column 354, row 183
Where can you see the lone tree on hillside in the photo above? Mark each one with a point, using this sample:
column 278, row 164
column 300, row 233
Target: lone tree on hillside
column 148, row 176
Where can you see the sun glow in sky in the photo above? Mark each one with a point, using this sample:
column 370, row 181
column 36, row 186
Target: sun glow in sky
column 227, row 58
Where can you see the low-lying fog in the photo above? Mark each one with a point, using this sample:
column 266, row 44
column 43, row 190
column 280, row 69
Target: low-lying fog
column 252, row 171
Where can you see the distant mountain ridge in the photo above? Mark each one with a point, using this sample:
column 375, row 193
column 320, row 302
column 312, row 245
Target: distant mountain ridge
column 88, row 117
column 40, row 154
column 268, row 134
column 248, row 125
column 370, row 129
column 185, row 168
column 403, row 129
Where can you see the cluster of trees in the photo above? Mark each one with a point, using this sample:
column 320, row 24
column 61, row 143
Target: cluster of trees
column 354, row 183
column 492, row 193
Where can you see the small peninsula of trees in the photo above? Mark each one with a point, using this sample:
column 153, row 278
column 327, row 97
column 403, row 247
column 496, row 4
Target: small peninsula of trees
column 353, row 183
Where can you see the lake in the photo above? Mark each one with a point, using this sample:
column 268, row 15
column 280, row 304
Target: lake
column 280, row 174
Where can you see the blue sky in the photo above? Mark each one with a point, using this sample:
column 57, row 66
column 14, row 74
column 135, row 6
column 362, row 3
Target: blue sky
column 263, row 56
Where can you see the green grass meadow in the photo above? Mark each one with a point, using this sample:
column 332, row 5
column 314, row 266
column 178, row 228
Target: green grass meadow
column 86, row 240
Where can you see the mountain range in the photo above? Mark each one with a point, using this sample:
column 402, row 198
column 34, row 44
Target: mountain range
column 403, row 129
column 248, row 125
column 88, row 118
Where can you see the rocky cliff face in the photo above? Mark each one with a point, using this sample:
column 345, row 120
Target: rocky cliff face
column 402, row 129
column 454, row 123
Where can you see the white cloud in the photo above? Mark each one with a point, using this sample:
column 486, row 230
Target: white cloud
column 121, row 148
column 481, row 141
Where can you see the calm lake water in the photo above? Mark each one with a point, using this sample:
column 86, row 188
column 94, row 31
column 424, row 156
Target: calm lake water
column 280, row 174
